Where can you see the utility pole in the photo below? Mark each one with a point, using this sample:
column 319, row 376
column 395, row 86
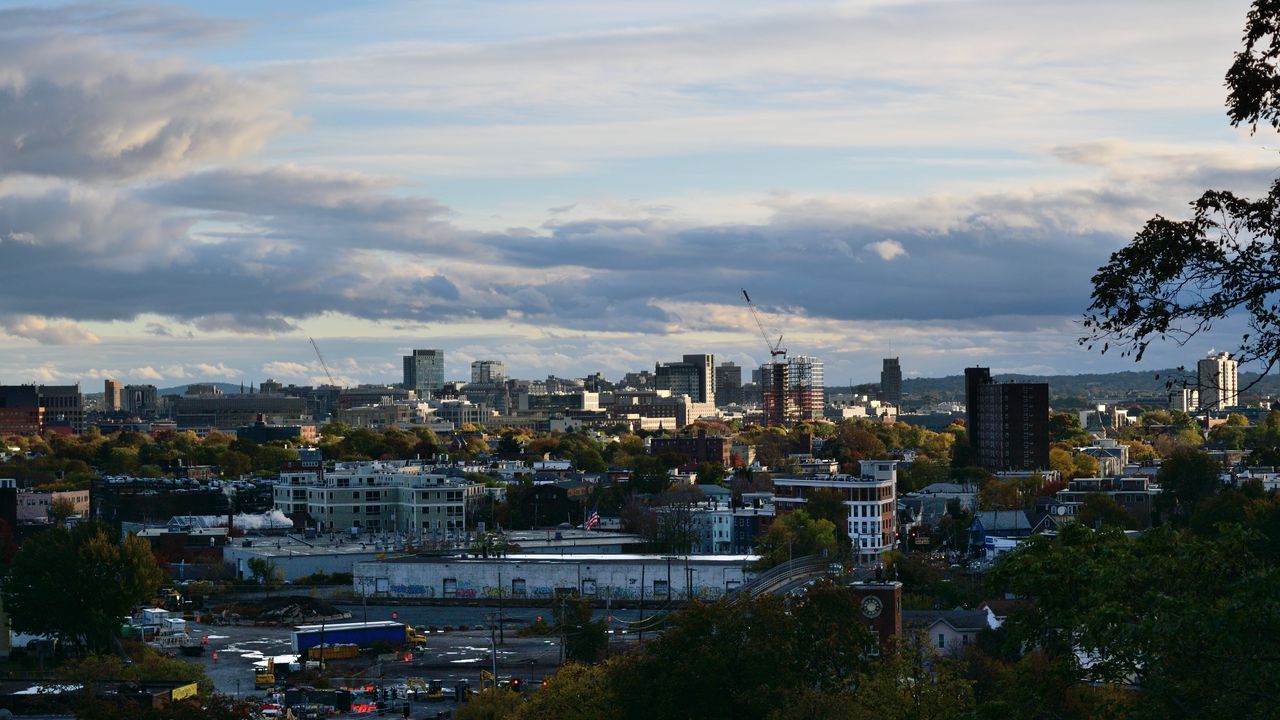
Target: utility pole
column 493, row 653
column 562, row 624
column 501, row 637
column 641, row 623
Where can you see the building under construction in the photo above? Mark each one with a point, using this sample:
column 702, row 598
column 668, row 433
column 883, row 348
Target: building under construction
column 792, row 390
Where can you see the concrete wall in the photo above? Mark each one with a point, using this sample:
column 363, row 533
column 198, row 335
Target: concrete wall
column 296, row 565
column 533, row 578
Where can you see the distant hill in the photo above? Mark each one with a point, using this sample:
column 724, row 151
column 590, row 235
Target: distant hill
column 1092, row 387
column 227, row 388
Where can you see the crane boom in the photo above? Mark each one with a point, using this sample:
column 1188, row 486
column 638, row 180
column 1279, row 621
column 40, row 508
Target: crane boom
column 775, row 348
column 323, row 364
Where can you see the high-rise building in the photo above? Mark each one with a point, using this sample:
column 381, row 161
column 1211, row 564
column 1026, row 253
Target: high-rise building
column 728, row 384
column 693, row 376
column 111, row 395
column 891, row 382
column 1186, row 399
column 1218, row 382
column 31, row 409
column 424, row 372
column 808, row 387
column 1008, row 423
column 141, row 400
column 485, row 372
column 775, row 395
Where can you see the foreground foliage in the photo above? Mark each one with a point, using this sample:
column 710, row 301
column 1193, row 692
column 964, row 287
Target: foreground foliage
column 75, row 584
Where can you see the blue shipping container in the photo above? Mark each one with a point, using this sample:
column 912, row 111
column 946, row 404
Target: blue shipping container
column 365, row 635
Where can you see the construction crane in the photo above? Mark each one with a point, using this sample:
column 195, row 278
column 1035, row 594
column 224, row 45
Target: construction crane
column 776, row 350
column 323, row 364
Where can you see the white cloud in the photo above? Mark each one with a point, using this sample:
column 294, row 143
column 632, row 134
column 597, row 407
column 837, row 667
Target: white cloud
column 146, row 373
column 45, row 331
column 887, row 249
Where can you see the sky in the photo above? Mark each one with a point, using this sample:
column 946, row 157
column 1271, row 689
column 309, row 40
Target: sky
column 190, row 191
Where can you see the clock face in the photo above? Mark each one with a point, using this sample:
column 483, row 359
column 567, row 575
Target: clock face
column 871, row 606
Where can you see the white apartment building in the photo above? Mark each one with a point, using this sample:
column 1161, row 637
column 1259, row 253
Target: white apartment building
column 1218, row 382
column 871, row 497
column 400, row 496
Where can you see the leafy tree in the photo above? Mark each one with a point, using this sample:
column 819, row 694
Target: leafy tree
column 577, row 692
column 1000, row 495
column 61, row 509
column 121, row 460
column 1177, row 278
column 76, row 584
column 1100, row 509
column 1172, row 613
column 828, row 504
column 1186, row 477
column 495, row 704
column 921, row 473
column 711, row 473
column 744, row 659
column 584, row 639
column 795, row 534
column 649, row 475
column 265, row 572
column 233, row 463
column 912, row 684
column 1066, row 428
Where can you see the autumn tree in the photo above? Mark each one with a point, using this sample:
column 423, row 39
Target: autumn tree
column 795, row 534
column 77, row 583
column 1186, row 478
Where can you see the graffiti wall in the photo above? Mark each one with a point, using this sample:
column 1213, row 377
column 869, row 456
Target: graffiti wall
column 656, row 578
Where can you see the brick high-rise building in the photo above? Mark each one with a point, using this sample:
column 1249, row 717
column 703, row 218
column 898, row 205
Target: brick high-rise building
column 33, row 409
column 1008, row 423
column 111, row 395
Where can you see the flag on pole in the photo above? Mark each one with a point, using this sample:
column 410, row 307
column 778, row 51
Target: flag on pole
column 592, row 520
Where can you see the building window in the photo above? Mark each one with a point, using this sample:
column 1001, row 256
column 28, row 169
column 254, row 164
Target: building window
column 942, row 641
column 660, row 589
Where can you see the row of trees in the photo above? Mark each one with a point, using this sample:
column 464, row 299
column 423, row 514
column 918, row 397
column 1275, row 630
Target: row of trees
column 757, row 658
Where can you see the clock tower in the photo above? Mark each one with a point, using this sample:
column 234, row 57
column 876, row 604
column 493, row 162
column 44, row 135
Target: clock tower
column 880, row 610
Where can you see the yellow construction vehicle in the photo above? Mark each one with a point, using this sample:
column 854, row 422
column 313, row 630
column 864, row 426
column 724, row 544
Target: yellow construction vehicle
column 428, row 691
column 266, row 678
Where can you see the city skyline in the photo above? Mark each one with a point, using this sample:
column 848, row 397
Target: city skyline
column 573, row 188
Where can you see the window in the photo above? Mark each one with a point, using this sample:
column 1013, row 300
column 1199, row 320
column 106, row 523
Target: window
column 660, row 589
column 450, row 587
column 942, row 641
column 518, row 588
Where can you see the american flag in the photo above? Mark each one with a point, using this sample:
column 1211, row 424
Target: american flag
column 592, row 520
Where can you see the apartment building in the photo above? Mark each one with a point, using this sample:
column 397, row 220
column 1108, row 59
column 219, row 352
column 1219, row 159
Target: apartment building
column 400, row 496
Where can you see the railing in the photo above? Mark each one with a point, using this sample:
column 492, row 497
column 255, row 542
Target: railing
column 785, row 573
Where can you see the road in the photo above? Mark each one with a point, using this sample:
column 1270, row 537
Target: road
column 455, row 615
column 450, row 657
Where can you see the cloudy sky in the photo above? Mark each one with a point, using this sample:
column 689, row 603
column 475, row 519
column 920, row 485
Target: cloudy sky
column 189, row 191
